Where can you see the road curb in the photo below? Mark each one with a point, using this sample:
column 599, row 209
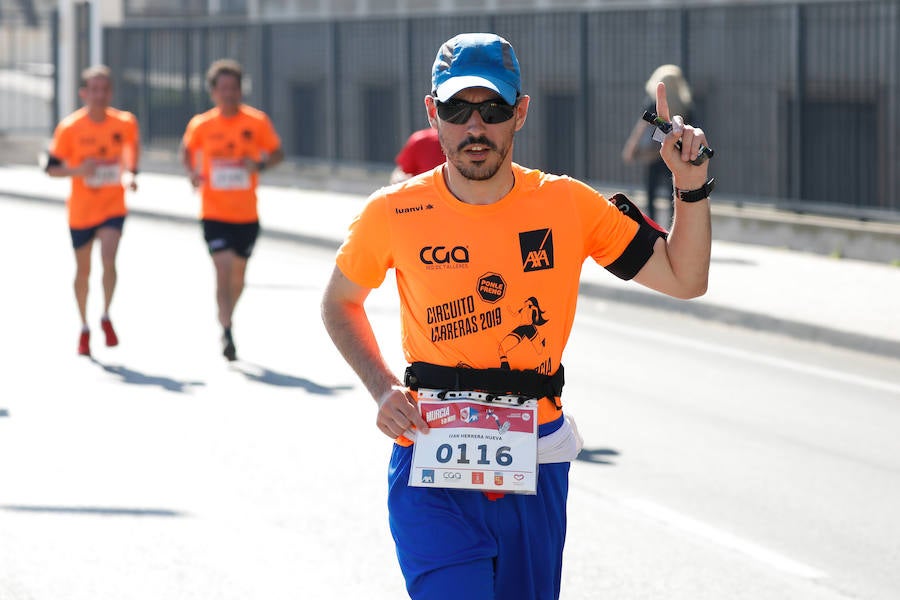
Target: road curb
column 746, row 319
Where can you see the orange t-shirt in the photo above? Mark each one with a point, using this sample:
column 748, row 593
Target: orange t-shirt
column 487, row 286
column 77, row 138
column 219, row 146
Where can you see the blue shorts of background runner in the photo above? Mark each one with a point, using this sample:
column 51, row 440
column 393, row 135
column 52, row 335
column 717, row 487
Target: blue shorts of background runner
column 454, row 544
column 80, row 237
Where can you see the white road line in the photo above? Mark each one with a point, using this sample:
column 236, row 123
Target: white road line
column 719, row 350
column 722, row 538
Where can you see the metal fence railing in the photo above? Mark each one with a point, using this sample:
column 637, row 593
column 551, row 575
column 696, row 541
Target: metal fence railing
column 800, row 100
column 26, row 71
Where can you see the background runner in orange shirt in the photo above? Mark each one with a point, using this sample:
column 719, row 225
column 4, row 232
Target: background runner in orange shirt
column 223, row 151
column 93, row 146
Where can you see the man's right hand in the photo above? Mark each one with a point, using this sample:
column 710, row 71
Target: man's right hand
column 398, row 413
column 196, row 179
column 87, row 168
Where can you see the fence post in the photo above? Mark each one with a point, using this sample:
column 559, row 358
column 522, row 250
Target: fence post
column 187, row 101
column 581, row 138
column 265, row 37
column 146, row 84
column 54, row 44
column 64, row 53
column 796, row 112
column 684, row 31
column 413, row 116
column 83, row 42
column 337, row 150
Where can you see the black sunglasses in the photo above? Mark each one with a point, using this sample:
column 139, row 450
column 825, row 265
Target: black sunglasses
column 459, row 112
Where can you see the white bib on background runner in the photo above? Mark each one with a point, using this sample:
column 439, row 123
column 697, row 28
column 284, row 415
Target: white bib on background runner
column 106, row 174
column 229, row 174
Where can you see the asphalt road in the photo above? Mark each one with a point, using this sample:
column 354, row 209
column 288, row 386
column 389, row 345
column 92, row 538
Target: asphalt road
column 719, row 462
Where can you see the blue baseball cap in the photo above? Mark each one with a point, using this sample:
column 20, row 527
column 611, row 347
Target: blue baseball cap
column 476, row 60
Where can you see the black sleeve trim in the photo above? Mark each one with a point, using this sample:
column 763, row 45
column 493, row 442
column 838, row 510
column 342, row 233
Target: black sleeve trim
column 636, row 254
column 52, row 161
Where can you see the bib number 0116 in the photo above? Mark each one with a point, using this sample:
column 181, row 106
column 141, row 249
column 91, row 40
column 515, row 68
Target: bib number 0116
column 477, row 445
column 502, row 456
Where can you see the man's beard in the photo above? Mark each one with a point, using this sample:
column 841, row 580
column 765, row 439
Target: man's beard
column 476, row 172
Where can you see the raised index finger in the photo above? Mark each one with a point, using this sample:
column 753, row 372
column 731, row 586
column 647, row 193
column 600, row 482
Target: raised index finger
column 662, row 103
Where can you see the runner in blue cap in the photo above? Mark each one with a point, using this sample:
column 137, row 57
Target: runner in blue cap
column 488, row 256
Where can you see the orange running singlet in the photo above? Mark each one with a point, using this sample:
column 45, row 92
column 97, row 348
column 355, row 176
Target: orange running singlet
column 112, row 143
column 493, row 285
column 219, row 146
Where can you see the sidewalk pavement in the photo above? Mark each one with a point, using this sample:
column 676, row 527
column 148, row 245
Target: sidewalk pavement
column 841, row 302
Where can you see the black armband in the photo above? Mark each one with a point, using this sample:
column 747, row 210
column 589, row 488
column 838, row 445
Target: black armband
column 52, row 161
column 640, row 249
column 636, row 254
column 630, row 209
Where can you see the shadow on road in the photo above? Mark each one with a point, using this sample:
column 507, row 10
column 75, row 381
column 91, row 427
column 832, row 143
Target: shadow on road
column 598, row 456
column 137, row 378
column 93, row 510
column 265, row 375
column 733, row 261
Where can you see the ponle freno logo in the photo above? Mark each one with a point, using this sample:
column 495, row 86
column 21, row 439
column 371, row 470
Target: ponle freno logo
column 491, row 287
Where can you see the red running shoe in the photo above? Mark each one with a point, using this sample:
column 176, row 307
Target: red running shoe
column 111, row 338
column 84, row 343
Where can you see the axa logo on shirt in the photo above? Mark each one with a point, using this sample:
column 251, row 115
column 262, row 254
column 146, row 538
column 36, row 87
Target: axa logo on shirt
column 537, row 249
column 445, row 256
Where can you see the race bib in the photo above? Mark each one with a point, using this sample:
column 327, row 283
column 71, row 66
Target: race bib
column 229, row 175
column 106, row 174
column 476, row 445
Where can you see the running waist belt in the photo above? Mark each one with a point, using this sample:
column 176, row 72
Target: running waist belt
column 526, row 384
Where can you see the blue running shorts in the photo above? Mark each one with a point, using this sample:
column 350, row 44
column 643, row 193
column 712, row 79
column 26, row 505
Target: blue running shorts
column 80, row 237
column 454, row 544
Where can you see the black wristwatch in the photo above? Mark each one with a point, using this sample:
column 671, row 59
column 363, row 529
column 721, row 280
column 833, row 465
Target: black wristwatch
column 698, row 194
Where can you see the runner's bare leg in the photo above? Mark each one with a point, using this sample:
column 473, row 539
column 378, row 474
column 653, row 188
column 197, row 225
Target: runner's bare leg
column 230, row 269
column 109, row 247
column 82, row 278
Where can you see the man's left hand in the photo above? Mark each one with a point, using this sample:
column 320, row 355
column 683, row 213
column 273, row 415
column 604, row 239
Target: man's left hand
column 685, row 175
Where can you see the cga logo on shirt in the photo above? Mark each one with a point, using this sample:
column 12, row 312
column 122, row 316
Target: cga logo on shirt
column 537, row 249
column 439, row 255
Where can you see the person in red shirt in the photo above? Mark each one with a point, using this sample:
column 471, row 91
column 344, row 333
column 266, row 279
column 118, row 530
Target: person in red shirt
column 421, row 152
column 488, row 254
column 95, row 146
column 223, row 151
